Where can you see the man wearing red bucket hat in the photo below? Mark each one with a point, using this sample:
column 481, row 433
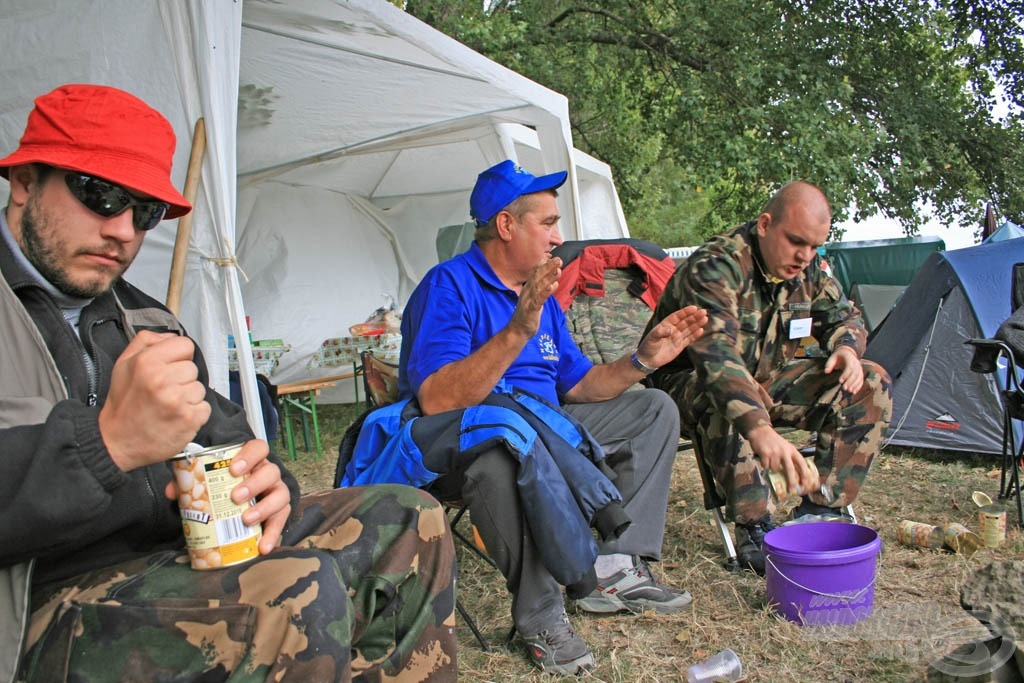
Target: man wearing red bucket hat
column 99, row 389
column 767, row 290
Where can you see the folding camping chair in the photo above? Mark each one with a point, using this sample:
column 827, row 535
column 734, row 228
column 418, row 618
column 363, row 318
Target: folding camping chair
column 714, row 501
column 1006, row 350
column 380, row 381
column 989, row 354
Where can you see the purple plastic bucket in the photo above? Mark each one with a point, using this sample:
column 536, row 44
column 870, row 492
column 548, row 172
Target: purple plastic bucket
column 822, row 573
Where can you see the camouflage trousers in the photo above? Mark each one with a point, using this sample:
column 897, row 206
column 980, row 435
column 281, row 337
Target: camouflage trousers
column 850, row 430
column 362, row 589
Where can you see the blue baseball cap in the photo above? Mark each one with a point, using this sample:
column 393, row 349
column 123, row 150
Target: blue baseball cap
column 502, row 184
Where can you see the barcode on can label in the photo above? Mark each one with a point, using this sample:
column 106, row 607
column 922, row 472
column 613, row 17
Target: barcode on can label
column 233, row 529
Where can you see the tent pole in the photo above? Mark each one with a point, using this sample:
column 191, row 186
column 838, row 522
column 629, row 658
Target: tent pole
column 195, row 165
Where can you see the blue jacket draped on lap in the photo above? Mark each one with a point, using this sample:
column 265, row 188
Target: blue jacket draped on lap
column 561, row 472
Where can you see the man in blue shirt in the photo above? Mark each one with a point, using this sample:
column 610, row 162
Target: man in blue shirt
column 486, row 321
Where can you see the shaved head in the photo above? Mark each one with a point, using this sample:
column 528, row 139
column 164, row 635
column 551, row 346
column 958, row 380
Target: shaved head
column 799, row 192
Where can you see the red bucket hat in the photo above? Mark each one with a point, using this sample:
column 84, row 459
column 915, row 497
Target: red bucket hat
column 102, row 131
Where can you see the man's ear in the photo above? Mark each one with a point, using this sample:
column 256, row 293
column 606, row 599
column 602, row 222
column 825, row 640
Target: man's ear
column 503, row 224
column 23, row 179
column 764, row 221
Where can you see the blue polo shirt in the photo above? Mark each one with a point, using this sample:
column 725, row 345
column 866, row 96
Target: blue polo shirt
column 459, row 306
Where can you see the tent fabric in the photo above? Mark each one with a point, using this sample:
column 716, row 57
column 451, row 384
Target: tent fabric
column 880, row 262
column 454, row 239
column 875, row 301
column 938, row 402
column 340, row 137
column 1007, row 231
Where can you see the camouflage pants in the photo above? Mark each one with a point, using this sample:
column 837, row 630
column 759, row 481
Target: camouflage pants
column 361, row 589
column 850, row 430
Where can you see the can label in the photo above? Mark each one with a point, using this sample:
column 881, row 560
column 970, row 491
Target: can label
column 214, row 531
column 919, row 534
column 992, row 525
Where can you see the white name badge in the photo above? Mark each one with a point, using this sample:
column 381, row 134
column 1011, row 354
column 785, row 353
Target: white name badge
column 799, row 328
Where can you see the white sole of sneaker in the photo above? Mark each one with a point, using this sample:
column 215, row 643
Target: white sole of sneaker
column 606, row 606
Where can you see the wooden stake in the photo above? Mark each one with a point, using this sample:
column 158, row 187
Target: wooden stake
column 181, row 241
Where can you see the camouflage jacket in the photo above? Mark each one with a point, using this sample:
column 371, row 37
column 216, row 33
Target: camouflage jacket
column 750, row 320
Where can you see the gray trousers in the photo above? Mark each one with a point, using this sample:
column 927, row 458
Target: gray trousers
column 639, row 432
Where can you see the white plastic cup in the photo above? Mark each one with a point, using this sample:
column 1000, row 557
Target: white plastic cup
column 725, row 666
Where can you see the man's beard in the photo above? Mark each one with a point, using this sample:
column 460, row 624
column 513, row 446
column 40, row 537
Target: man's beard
column 46, row 258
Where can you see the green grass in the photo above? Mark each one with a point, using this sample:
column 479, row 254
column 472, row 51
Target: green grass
column 917, row 613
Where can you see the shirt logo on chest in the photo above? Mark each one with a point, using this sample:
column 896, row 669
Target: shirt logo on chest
column 548, row 349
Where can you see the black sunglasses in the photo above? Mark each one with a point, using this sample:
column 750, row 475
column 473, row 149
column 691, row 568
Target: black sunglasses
column 107, row 199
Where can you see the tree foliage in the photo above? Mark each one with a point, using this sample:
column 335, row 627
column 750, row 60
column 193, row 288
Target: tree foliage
column 704, row 107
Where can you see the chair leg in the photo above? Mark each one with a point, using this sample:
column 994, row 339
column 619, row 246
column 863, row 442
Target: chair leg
column 465, row 540
column 714, row 503
column 453, row 522
column 1009, row 476
column 288, row 434
column 732, row 564
column 316, row 426
column 472, row 625
column 1015, row 482
column 1008, row 465
column 510, row 637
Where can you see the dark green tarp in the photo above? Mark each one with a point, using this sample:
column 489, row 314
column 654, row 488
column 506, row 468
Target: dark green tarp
column 880, row 262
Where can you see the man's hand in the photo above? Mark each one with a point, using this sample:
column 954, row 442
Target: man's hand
column 779, row 455
column 535, row 292
column 851, row 379
column 262, row 481
column 671, row 336
column 156, row 403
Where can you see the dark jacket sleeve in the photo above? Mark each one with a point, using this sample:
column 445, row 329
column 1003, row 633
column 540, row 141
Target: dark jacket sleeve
column 58, row 480
column 62, row 492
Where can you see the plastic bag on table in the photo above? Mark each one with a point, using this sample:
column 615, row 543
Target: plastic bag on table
column 385, row 319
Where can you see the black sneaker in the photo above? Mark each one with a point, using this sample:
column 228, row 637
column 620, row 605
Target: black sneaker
column 559, row 650
column 750, row 544
column 809, row 511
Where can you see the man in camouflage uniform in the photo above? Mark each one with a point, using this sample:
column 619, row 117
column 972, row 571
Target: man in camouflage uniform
column 766, row 289
column 99, row 388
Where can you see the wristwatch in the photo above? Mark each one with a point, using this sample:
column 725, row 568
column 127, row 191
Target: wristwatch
column 640, row 365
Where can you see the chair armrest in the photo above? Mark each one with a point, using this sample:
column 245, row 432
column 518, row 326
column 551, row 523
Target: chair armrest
column 986, row 344
column 987, row 353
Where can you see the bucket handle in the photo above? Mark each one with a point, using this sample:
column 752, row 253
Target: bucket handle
column 844, row 598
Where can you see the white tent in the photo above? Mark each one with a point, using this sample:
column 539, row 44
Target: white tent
column 340, row 136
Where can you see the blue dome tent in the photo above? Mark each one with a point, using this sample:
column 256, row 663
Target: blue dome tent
column 938, row 402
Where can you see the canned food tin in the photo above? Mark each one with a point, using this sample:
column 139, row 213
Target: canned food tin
column 779, row 485
column 214, row 531
column 919, row 534
column 992, row 525
column 962, row 540
column 991, row 520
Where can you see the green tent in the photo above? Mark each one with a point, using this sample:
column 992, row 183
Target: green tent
column 880, row 262
column 874, row 273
